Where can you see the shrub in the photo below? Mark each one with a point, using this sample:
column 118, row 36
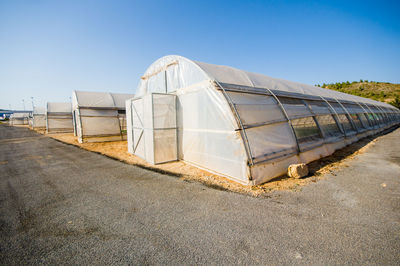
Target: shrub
column 396, row 102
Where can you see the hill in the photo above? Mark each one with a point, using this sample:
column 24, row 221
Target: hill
column 379, row 91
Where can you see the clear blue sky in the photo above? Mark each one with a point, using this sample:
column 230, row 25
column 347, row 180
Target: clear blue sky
column 49, row 48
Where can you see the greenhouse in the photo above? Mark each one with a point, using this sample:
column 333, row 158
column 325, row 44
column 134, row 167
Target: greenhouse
column 38, row 118
column 99, row 116
column 245, row 126
column 59, row 118
column 21, row 118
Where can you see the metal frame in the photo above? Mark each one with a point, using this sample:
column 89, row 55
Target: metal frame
column 141, row 122
column 375, row 124
column 366, row 115
column 226, row 87
column 239, row 121
column 335, row 116
column 288, row 119
column 153, row 128
column 314, row 116
column 348, row 118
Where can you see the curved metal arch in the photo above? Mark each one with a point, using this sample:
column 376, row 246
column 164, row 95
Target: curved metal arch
column 375, row 124
column 385, row 117
column 287, row 117
column 365, row 112
column 314, row 117
column 348, row 116
column 239, row 121
column 335, row 115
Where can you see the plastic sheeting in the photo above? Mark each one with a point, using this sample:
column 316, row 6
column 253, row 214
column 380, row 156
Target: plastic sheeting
column 19, row 118
column 100, row 99
column 38, row 117
column 59, row 117
column 225, row 74
column 99, row 116
column 60, row 108
column 246, row 126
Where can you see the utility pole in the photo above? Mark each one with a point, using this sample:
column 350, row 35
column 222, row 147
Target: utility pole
column 33, row 106
column 23, row 103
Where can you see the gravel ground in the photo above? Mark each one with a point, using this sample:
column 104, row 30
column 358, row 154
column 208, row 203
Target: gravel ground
column 64, row 205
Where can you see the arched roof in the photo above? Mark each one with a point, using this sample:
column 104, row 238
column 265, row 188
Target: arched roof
column 20, row 115
column 100, row 99
column 197, row 71
column 54, row 107
column 38, row 110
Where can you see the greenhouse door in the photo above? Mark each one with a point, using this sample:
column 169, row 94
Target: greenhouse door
column 154, row 128
column 138, row 128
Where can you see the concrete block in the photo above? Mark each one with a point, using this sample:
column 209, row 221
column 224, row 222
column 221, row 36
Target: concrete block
column 298, row 170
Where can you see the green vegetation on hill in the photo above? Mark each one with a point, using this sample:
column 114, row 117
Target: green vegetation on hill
column 379, row 91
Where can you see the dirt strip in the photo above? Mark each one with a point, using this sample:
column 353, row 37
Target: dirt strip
column 118, row 150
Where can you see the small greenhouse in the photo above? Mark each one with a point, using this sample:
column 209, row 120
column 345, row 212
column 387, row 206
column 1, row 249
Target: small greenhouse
column 38, row 118
column 245, row 126
column 59, row 118
column 19, row 118
column 99, row 116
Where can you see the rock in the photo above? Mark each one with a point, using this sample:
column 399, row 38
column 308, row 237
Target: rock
column 298, row 170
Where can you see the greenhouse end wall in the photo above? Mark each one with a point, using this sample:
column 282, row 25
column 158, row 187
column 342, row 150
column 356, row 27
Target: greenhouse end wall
column 205, row 136
column 99, row 116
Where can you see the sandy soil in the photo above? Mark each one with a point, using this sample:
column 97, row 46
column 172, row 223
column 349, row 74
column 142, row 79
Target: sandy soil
column 27, row 126
column 118, row 150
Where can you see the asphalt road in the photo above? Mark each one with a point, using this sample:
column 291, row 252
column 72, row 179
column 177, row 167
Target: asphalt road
column 64, row 205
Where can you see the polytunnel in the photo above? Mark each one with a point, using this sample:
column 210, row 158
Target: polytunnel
column 59, row 117
column 99, row 116
column 245, row 126
column 38, row 119
column 21, row 118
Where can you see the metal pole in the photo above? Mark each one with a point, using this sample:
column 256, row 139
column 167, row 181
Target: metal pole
column 287, row 118
column 239, row 121
column 314, row 116
column 365, row 114
column 335, row 115
column 348, row 116
column 373, row 117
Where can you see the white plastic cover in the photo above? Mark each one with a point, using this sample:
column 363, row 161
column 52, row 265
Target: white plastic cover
column 39, row 117
column 20, row 118
column 99, row 114
column 233, row 133
column 232, row 75
column 100, row 99
column 59, row 117
column 53, row 107
column 59, row 124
